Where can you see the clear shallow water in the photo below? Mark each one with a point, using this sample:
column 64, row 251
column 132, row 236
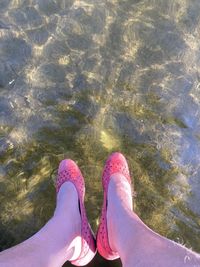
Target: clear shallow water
column 81, row 79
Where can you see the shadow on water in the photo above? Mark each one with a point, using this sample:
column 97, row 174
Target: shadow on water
column 80, row 79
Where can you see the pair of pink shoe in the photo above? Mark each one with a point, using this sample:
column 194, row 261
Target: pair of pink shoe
column 69, row 171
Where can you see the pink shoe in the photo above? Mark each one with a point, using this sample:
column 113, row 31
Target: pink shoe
column 69, row 171
column 116, row 163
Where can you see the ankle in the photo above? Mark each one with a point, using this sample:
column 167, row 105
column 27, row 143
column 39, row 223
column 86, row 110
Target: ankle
column 62, row 231
column 67, row 213
column 119, row 206
column 67, row 200
column 119, row 192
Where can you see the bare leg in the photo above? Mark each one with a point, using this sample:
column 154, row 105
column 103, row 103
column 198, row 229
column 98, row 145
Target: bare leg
column 54, row 243
column 136, row 244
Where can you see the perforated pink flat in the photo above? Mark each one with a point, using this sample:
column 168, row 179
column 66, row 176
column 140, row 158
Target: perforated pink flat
column 116, row 163
column 69, row 171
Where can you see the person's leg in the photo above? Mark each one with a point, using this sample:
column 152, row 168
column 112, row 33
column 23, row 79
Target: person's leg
column 136, row 244
column 55, row 242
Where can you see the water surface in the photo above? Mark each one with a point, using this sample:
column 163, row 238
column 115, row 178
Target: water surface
column 80, row 79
